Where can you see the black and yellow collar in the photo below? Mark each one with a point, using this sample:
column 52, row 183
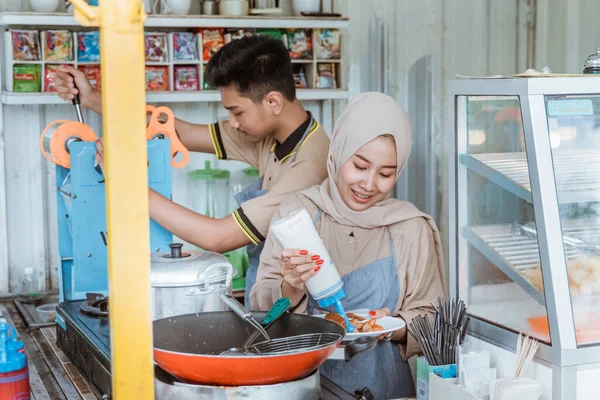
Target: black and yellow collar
column 293, row 142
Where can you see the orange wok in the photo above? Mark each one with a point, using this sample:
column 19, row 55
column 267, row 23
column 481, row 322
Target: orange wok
column 189, row 348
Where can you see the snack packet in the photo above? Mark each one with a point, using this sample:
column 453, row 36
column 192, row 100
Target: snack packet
column 232, row 34
column 27, row 78
column 274, row 34
column 327, row 44
column 58, row 46
column 157, row 78
column 300, row 44
column 212, row 41
column 88, row 46
column 205, row 84
column 25, row 45
column 49, row 74
column 300, row 77
column 185, row 46
column 326, row 76
column 186, row 77
column 156, row 47
column 92, row 72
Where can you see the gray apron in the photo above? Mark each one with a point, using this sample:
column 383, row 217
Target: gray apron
column 251, row 192
column 382, row 370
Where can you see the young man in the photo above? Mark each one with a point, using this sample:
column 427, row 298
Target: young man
column 267, row 128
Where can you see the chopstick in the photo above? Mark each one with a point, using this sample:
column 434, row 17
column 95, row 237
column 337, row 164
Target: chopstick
column 440, row 342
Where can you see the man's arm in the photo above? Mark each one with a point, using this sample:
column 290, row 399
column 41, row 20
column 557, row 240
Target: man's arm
column 218, row 235
column 195, row 137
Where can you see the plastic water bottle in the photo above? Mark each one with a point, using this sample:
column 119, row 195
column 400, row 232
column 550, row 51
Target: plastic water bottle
column 297, row 231
column 14, row 373
column 30, row 286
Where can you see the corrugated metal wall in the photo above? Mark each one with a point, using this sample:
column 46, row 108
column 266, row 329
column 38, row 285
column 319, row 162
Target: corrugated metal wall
column 408, row 49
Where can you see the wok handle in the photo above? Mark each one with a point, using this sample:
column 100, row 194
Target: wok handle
column 360, row 345
column 236, row 306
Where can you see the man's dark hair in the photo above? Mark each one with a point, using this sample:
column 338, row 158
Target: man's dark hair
column 256, row 65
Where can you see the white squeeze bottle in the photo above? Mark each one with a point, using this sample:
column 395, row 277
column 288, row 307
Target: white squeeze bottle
column 296, row 231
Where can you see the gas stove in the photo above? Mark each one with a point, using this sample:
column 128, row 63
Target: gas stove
column 83, row 334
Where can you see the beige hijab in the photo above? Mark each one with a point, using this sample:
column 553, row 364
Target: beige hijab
column 366, row 117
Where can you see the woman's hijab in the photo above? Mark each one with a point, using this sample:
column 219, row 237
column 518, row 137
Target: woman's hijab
column 366, row 117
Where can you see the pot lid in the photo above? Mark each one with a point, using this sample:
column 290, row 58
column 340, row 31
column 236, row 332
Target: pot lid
column 208, row 174
column 188, row 268
column 593, row 60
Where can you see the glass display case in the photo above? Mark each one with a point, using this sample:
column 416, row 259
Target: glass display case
column 525, row 212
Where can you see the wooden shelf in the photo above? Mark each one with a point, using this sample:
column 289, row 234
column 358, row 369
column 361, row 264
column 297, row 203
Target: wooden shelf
column 30, row 20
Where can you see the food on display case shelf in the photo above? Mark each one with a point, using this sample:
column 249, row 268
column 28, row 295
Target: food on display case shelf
column 232, row 34
column 359, row 323
column 156, row 47
column 58, row 46
column 212, row 41
column 27, row 78
column 327, row 44
column 185, row 46
column 583, row 273
column 88, row 46
column 326, row 78
column 300, row 44
column 92, row 72
column 186, row 77
column 157, row 78
column 25, row 45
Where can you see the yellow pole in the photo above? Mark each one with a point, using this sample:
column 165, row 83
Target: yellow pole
column 124, row 97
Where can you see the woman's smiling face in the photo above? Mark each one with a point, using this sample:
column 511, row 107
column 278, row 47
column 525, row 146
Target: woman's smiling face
column 369, row 175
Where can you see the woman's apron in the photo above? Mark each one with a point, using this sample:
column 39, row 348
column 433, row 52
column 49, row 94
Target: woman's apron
column 251, row 192
column 382, row 369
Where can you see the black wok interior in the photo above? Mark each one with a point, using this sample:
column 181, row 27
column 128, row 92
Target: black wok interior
column 214, row 332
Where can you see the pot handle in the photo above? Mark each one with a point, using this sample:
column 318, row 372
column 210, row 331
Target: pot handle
column 360, row 345
column 207, row 274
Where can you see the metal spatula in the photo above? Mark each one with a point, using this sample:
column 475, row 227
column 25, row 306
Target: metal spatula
column 278, row 309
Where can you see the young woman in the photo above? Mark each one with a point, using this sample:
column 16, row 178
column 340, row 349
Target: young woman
column 387, row 251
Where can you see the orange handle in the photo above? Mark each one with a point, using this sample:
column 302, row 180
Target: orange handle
column 64, row 131
column 167, row 128
column 60, row 121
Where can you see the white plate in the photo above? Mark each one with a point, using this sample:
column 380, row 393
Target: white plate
column 389, row 324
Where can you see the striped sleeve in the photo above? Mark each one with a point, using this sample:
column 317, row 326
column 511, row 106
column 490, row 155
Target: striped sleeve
column 247, row 227
column 217, row 139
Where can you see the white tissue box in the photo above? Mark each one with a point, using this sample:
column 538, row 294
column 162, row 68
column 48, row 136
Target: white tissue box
column 515, row 389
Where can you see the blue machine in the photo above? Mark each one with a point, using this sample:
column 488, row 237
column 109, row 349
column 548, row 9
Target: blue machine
column 81, row 210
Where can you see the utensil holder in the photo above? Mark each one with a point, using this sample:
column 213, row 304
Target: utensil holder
column 424, row 373
column 447, row 389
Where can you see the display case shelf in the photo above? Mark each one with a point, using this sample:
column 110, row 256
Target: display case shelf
column 499, row 245
column 514, row 253
column 577, row 177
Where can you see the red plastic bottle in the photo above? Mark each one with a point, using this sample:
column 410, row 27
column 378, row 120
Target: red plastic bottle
column 14, row 373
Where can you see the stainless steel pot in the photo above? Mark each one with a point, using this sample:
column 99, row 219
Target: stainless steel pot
column 166, row 387
column 210, row 7
column 188, row 282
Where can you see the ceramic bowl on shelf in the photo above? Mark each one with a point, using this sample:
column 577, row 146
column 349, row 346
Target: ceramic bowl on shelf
column 234, row 7
column 300, row 6
column 44, row 6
